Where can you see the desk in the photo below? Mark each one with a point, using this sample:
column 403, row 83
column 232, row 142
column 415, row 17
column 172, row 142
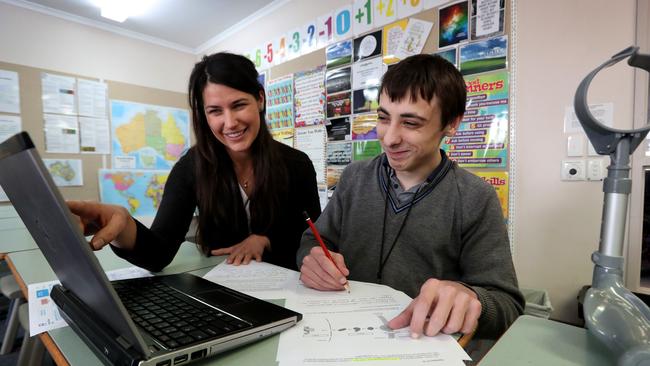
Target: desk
column 15, row 240
column 64, row 345
column 534, row 341
column 67, row 348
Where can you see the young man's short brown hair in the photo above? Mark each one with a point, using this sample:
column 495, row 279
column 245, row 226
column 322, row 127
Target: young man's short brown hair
column 426, row 76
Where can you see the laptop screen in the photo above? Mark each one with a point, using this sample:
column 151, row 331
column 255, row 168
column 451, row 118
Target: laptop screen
column 39, row 203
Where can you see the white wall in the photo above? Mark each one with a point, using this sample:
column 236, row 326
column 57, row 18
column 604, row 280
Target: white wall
column 557, row 223
column 34, row 39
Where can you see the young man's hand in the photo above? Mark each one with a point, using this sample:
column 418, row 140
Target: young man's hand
column 250, row 248
column 318, row 272
column 441, row 306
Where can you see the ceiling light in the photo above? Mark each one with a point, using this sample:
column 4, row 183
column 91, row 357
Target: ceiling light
column 119, row 10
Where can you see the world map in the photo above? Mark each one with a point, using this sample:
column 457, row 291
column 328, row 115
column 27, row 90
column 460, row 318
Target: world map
column 154, row 137
column 140, row 191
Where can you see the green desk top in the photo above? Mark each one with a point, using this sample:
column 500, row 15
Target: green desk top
column 534, row 341
column 33, row 268
column 15, row 240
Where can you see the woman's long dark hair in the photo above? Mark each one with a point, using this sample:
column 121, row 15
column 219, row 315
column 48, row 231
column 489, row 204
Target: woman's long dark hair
column 218, row 194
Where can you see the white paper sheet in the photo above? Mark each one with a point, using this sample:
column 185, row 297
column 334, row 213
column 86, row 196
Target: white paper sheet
column 44, row 314
column 92, row 98
column 58, row 94
column 414, row 38
column 95, row 135
column 259, row 279
column 340, row 327
column 61, row 134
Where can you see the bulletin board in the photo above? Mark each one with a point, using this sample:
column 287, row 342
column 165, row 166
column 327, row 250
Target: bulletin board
column 482, row 142
column 32, row 119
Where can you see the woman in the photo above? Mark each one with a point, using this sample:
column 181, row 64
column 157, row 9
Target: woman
column 249, row 189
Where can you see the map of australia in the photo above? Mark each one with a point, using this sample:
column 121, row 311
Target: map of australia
column 151, row 137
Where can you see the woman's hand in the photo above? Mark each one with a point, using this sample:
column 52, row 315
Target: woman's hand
column 242, row 253
column 108, row 223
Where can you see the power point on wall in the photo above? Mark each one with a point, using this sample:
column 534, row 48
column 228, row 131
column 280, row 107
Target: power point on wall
column 573, row 170
column 595, row 169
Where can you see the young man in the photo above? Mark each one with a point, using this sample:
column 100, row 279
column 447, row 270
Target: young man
column 413, row 220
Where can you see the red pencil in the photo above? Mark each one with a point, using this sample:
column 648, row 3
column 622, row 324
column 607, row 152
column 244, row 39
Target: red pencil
column 322, row 245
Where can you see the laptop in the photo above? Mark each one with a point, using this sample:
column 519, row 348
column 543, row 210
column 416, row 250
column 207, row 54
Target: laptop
column 161, row 320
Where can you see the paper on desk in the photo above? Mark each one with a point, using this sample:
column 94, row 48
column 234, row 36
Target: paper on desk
column 44, row 314
column 259, row 279
column 363, row 297
column 362, row 337
column 340, row 327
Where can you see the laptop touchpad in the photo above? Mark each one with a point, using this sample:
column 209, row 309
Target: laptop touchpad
column 221, row 297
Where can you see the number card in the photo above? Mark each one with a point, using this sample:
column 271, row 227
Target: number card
column 325, row 30
column 294, row 44
column 385, row 11
column 309, row 38
column 362, row 16
column 262, row 52
column 343, row 23
column 406, row 8
column 280, row 47
column 256, row 57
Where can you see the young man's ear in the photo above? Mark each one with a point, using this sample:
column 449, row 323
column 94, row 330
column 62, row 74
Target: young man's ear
column 452, row 127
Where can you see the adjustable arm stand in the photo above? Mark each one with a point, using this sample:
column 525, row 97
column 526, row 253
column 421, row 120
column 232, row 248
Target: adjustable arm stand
column 613, row 314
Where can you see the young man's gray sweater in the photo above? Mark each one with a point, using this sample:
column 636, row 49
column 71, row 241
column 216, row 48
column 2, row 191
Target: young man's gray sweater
column 454, row 232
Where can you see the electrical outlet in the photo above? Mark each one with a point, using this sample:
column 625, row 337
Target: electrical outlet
column 573, row 170
column 595, row 169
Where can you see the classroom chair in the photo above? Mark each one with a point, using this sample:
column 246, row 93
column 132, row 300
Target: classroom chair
column 9, row 288
column 32, row 349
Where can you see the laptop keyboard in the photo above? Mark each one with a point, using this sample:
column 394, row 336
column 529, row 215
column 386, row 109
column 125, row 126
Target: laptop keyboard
column 170, row 317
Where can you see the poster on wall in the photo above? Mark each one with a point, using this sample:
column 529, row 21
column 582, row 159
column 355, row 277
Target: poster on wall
column 364, row 127
column 498, row 180
column 367, row 46
column 449, row 55
column 338, row 129
column 367, row 73
column 311, row 141
column 363, row 150
column 487, row 18
column 482, row 56
column 65, row 172
column 414, row 38
column 339, row 155
column 279, row 102
column 366, row 100
column 481, row 139
column 338, row 54
column 139, row 191
column 58, row 93
column 309, row 97
column 453, row 24
column 146, row 136
column 339, row 105
column 284, row 135
column 392, row 38
column 338, row 80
